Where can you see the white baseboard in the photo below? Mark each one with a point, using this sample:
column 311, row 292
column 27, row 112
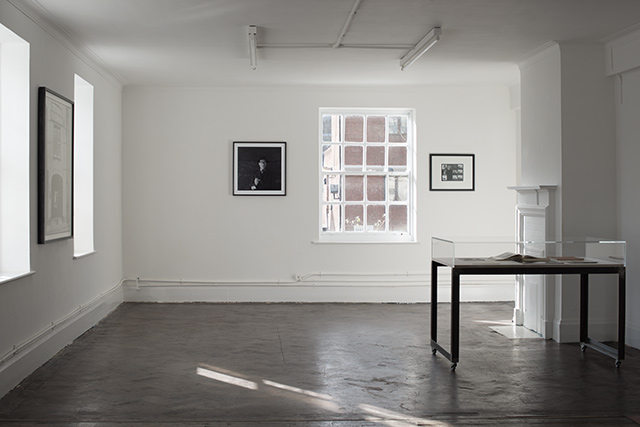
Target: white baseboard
column 568, row 330
column 34, row 352
column 387, row 291
column 632, row 335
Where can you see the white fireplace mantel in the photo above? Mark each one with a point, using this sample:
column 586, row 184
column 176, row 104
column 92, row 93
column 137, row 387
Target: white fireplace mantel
column 534, row 195
column 535, row 222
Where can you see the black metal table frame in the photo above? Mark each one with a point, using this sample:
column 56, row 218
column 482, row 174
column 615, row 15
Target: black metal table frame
column 535, row 268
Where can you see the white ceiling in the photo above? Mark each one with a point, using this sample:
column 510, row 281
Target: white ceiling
column 204, row 42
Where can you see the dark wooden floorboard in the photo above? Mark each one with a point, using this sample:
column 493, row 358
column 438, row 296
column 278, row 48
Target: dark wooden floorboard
column 317, row 365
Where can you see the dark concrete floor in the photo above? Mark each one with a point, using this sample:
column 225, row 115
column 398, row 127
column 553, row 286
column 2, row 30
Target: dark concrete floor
column 316, row 365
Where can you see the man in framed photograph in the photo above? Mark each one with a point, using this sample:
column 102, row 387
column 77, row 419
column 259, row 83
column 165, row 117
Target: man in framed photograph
column 264, row 178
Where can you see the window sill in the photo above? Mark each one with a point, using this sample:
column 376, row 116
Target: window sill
column 10, row 277
column 82, row 255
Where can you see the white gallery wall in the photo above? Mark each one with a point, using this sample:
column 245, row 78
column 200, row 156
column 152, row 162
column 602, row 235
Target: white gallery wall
column 187, row 238
column 43, row 312
column 623, row 65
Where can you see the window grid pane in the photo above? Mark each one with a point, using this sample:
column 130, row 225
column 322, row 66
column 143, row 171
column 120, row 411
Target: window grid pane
column 354, row 188
column 375, row 188
column 332, row 188
column 332, row 218
column 375, row 157
column 353, row 156
column 398, row 156
column 376, row 218
column 376, row 128
column 354, row 218
column 398, row 218
column 354, row 129
column 331, row 157
column 398, row 129
column 398, row 188
column 332, row 128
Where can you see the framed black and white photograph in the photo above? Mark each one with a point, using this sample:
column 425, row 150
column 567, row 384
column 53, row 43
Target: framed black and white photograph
column 55, row 166
column 259, row 168
column 452, row 172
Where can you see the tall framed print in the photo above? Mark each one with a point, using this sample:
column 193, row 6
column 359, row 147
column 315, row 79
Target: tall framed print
column 55, row 166
column 452, row 172
column 259, row 168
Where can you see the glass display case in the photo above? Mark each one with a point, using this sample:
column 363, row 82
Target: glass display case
column 480, row 251
column 477, row 256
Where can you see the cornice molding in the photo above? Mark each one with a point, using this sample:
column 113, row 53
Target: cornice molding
column 554, row 47
column 39, row 15
column 623, row 36
column 622, row 51
column 538, row 54
column 582, row 47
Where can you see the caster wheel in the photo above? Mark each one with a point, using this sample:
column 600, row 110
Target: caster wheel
column 583, row 347
column 618, row 363
column 433, row 351
column 453, row 367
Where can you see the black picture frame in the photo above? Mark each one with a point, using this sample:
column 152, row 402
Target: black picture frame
column 452, row 172
column 249, row 179
column 55, row 166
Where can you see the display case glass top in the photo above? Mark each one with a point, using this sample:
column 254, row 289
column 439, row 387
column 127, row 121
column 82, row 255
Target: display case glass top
column 480, row 252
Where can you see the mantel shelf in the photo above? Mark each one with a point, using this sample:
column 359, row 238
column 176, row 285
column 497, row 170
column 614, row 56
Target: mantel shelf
column 532, row 187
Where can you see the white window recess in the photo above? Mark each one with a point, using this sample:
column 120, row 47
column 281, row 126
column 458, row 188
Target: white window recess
column 14, row 156
column 83, row 169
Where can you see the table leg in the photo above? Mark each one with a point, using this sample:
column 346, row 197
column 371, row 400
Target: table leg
column 585, row 341
column 621, row 314
column 434, row 303
column 584, row 310
column 455, row 317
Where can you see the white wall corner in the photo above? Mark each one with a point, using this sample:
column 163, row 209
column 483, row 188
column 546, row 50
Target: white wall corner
column 537, row 55
column 25, row 358
column 514, row 96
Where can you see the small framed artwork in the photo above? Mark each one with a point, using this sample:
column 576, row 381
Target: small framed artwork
column 452, row 172
column 259, row 168
column 55, row 166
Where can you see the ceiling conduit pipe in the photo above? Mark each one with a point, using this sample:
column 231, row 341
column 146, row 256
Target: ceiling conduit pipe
column 347, row 24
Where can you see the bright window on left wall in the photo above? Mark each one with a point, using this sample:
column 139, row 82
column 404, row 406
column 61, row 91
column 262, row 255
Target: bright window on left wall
column 14, row 156
column 83, row 168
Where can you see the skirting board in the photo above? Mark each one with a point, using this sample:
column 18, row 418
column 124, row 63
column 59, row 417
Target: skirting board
column 16, row 366
column 633, row 334
column 568, row 330
column 335, row 291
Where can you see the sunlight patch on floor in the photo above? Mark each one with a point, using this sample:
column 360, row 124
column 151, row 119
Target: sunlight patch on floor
column 515, row 332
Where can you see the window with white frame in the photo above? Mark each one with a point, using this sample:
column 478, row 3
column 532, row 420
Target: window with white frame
column 83, row 168
column 14, row 156
column 367, row 175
